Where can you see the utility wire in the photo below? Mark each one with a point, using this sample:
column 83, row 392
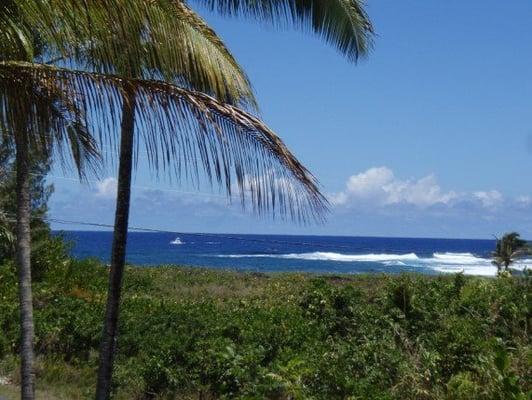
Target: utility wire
column 208, row 235
column 66, row 178
column 156, row 230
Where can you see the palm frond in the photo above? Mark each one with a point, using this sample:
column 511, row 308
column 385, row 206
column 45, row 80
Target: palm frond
column 160, row 39
column 187, row 132
column 15, row 36
column 54, row 121
column 342, row 23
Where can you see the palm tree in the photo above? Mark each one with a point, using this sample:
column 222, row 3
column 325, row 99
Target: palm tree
column 192, row 130
column 343, row 23
column 37, row 118
column 508, row 248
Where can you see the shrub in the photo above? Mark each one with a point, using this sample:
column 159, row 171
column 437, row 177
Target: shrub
column 282, row 336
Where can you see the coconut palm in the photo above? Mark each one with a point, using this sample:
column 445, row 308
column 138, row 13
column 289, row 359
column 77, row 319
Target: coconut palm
column 184, row 130
column 508, row 248
column 37, row 118
column 343, row 23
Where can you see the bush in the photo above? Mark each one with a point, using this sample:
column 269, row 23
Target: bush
column 282, row 336
column 463, row 387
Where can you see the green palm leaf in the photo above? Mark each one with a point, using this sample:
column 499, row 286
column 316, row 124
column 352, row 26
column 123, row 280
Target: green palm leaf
column 161, row 39
column 16, row 41
column 50, row 118
column 185, row 132
column 342, row 23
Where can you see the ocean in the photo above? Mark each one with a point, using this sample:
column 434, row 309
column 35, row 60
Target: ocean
column 283, row 253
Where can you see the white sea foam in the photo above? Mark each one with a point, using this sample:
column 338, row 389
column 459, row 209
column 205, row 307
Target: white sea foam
column 480, row 270
column 329, row 256
column 250, row 255
column 466, row 263
column 457, row 258
column 394, row 263
column 470, row 264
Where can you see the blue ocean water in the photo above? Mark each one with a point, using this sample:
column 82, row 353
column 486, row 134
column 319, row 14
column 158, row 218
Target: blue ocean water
column 273, row 253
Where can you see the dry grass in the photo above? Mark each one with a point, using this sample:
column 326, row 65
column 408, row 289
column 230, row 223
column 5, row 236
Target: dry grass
column 193, row 284
column 12, row 392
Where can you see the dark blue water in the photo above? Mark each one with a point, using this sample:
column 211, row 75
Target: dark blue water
column 267, row 253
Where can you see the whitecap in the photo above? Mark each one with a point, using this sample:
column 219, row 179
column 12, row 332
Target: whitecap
column 448, row 262
column 330, row 256
column 372, row 257
column 480, row 270
column 466, row 263
column 458, row 258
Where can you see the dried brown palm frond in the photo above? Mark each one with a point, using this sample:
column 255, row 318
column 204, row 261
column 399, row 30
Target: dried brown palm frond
column 342, row 23
column 156, row 39
column 186, row 132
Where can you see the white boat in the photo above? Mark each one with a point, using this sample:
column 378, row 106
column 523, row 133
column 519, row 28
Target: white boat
column 177, row 240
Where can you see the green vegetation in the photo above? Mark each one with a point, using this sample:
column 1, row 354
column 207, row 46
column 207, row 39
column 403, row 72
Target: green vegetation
column 198, row 333
column 47, row 250
column 508, row 249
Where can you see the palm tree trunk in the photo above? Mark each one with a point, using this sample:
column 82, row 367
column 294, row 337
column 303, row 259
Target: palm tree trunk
column 118, row 254
column 24, row 267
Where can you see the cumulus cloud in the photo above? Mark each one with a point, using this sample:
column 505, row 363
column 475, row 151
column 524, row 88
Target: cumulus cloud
column 379, row 186
column 106, row 188
column 376, row 201
column 489, row 199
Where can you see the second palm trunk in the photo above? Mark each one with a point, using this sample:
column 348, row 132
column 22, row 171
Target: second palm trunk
column 118, row 252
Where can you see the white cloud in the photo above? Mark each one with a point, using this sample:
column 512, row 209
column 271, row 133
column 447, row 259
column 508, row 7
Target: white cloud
column 106, row 188
column 379, row 186
column 524, row 200
column 369, row 184
column 489, row 199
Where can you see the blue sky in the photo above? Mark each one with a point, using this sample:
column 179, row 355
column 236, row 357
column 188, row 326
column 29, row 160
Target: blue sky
column 431, row 135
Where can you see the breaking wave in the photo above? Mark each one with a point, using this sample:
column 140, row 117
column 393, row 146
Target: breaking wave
column 328, row 256
column 467, row 263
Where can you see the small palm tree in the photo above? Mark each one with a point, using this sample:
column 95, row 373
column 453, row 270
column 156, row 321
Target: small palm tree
column 508, row 248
